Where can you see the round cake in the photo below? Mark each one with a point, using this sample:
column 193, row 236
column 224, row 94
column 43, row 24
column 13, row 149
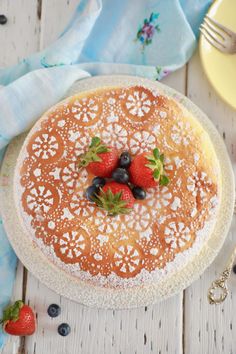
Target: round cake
column 161, row 233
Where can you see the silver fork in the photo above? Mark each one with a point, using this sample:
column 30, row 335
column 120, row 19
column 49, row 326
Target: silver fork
column 218, row 35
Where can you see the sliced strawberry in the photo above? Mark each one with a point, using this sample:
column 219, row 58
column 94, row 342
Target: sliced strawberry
column 147, row 170
column 115, row 198
column 18, row 319
column 100, row 159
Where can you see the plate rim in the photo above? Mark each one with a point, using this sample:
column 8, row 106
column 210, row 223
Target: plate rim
column 113, row 298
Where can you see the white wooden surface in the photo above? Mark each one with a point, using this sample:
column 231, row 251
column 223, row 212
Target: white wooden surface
column 184, row 324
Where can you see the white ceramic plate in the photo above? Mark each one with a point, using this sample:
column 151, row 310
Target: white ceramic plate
column 82, row 292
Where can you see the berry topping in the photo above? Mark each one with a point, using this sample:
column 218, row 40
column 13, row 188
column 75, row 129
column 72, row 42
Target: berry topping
column 139, row 193
column 147, row 170
column 115, row 198
column 234, row 269
column 100, row 159
column 3, row 19
column 91, row 192
column 120, row 175
column 54, row 310
column 64, row 329
column 99, row 182
column 125, row 159
column 18, row 319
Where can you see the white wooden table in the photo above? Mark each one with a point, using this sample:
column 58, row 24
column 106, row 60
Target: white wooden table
column 184, row 324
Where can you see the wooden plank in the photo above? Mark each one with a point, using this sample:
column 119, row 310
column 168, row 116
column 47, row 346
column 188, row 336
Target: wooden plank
column 20, row 36
column 210, row 328
column 143, row 330
column 54, row 17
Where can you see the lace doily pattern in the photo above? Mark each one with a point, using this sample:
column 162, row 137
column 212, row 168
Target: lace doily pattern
column 79, row 234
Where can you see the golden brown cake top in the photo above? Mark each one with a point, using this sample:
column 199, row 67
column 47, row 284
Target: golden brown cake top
column 162, row 232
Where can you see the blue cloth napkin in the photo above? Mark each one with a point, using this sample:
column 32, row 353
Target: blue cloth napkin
column 148, row 38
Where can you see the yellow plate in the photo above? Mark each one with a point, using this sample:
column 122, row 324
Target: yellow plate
column 220, row 68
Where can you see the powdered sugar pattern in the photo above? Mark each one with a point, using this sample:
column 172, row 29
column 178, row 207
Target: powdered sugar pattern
column 81, row 238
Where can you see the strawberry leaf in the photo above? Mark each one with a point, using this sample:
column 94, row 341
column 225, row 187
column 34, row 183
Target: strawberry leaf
column 150, row 165
column 92, row 155
column 156, row 153
column 109, row 196
column 101, row 149
column 95, row 158
column 162, row 158
column 117, row 197
column 156, row 164
column 150, row 159
column 95, row 142
column 11, row 313
column 112, row 203
column 164, row 180
column 156, row 174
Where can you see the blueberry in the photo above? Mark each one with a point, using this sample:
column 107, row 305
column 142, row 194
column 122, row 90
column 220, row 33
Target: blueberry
column 3, row 20
column 64, row 329
column 139, row 193
column 125, row 159
column 54, row 310
column 90, row 192
column 99, row 182
column 120, row 175
column 234, row 269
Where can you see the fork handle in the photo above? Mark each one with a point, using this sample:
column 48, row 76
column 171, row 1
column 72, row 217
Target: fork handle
column 221, row 283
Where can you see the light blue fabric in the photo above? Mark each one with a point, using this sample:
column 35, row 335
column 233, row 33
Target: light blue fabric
column 195, row 12
column 148, row 38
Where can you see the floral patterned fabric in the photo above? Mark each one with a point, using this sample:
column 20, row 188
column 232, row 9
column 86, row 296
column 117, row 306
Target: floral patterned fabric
column 151, row 39
column 147, row 31
column 144, row 46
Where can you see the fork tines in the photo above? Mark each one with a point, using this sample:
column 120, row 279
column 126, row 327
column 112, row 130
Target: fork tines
column 218, row 35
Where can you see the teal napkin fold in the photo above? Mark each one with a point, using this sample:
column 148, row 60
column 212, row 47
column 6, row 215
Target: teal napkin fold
column 148, row 38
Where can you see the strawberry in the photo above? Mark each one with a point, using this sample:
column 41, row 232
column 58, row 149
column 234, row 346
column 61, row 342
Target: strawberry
column 147, row 170
column 100, row 159
column 115, row 198
column 18, row 319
